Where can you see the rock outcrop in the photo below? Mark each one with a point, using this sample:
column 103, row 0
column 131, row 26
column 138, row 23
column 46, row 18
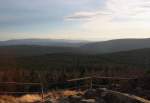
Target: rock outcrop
column 102, row 96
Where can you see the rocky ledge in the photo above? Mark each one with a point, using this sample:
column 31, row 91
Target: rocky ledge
column 102, row 96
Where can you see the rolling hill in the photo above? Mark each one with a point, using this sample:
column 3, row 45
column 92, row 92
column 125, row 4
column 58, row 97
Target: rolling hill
column 138, row 57
column 75, row 46
column 116, row 45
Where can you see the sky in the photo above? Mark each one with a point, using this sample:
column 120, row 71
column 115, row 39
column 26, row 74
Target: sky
column 74, row 19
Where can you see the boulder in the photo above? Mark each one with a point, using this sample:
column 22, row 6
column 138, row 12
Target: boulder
column 91, row 94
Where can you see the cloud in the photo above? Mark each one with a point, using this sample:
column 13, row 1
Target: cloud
column 85, row 15
column 82, row 15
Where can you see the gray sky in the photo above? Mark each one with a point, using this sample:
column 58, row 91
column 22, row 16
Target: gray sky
column 74, row 19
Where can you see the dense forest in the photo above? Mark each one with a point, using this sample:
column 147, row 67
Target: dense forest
column 26, row 65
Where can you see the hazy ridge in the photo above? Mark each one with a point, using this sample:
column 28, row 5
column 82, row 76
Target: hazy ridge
column 44, row 46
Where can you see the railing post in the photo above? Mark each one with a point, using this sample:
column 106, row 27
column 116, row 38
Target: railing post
column 42, row 93
column 42, row 88
column 91, row 83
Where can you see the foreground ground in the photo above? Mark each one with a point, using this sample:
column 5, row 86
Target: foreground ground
column 88, row 96
column 54, row 95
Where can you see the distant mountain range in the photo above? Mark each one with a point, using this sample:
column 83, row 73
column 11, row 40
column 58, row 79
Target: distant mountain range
column 44, row 42
column 40, row 46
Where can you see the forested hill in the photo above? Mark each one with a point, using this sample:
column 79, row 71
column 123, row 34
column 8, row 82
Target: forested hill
column 85, row 47
column 139, row 58
column 116, row 45
column 135, row 57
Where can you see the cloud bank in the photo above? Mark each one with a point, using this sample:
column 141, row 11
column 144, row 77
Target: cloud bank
column 118, row 19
